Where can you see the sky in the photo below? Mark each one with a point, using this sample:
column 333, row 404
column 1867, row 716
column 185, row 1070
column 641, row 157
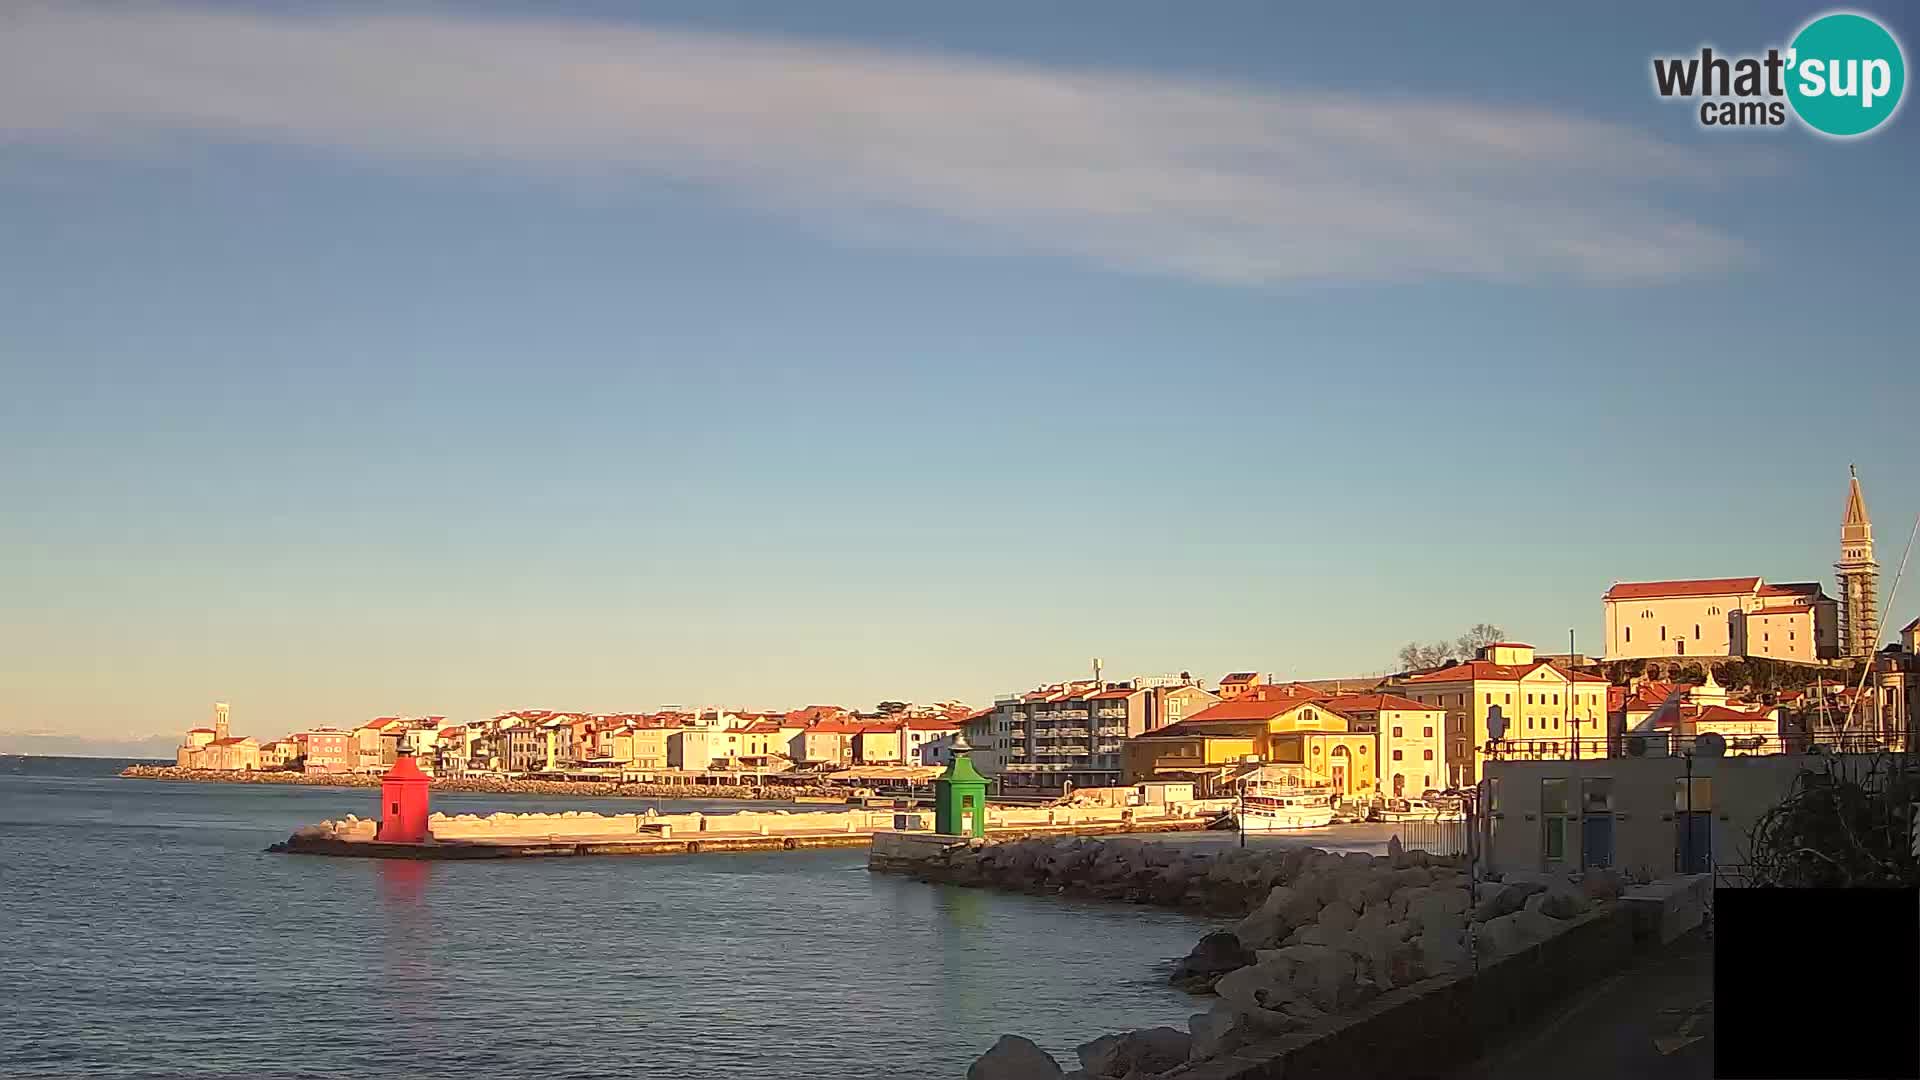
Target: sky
column 450, row 358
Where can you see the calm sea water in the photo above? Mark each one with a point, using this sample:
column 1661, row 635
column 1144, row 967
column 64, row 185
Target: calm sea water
column 144, row 931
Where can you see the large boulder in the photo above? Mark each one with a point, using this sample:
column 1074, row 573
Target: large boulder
column 1560, row 902
column 1497, row 898
column 1602, row 884
column 1014, row 1058
column 1217, row 1031
column 1147, row 1051
column 1510, row 934
column 1216, row 954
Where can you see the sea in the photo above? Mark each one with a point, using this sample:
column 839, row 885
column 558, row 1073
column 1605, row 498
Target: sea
column 145, row 931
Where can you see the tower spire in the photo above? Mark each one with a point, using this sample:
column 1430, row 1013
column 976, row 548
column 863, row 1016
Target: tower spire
column 1858, row 575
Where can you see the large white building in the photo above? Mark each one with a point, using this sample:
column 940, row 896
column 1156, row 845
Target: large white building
column 1741, row 616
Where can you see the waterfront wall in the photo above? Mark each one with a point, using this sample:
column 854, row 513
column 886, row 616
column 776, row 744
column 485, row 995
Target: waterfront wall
column 495, row 786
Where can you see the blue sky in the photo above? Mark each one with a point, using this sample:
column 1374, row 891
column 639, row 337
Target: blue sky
column 445, row 359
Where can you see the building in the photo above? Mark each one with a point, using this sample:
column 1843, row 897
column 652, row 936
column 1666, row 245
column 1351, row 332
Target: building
column 1269, row 725
column 1892, row 704
column 1072, row 733
column 827, row 742
column 1652, row 815
column 216, row 748
column 1663, row 717
column 1565, row 710
column 325, row 750
column 520, row 747
column 1239, row 684
column 1411, row 740
column 693, row 749
column 1858, row 576
column 279, row 753
column 1741, row 616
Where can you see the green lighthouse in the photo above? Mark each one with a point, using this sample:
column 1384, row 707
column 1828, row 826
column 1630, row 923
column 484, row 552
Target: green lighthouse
column 960, row 796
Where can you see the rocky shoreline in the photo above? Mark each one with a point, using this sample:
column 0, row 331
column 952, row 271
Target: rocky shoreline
column 1320, row 935
column 493, row 786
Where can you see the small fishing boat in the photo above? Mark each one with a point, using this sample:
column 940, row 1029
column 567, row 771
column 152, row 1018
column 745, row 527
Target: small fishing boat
column 1282, row 799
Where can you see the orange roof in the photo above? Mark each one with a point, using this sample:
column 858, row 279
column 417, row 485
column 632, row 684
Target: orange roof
column 835, row 727
column 1653, row 590
column 1376, row 703
column 1488, row 671
column 1721, row 712
column 879, row 729
column 200, row 731
column 229, row 742
column 1112, row 695
column 1263, row 707
column 923, row 723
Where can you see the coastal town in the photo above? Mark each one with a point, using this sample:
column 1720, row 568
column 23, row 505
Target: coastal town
column 1748, row 666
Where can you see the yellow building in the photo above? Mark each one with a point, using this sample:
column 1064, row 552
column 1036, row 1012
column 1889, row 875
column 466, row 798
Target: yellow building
column 1412, row 740
column 1269, row 725
column 1563, row 712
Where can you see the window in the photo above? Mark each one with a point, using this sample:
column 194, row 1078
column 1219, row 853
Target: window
column 1489, row 700
column 1397, row 755
column 1427, row 731
column 1663, row 633
column 1696, row 631
column 1702, row 794
column 1789, row 635
column 1428, row 754
column 1529, row 699
column 1396, row 729
column 1629, row 633
column 1596, row 795
column 1529, row 722
column 1556, row 699
column 1553, row 820
column 1713, row 611
column 1509, row 699
column 1647, row 614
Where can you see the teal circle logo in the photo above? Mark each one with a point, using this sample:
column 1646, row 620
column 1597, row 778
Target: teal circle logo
column 1845, row 74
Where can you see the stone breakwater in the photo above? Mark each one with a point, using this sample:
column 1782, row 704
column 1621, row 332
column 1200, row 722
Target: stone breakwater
column 493, row 786
column 1319, row 935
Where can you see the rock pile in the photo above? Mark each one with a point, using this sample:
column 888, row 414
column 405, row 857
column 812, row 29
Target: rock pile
column 1328, row 933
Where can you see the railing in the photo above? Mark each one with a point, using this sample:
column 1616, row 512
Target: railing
column 1664, row 744
column 1433, row 837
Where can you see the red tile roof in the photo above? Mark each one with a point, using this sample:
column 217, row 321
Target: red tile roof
column 835, row 727
column 200, row 731
column 1112, row 695
column 1653, row 590
column 235, row 741
column 1721, row 712
column 1376, row 703
column 1252, row 708
column 1488, row 671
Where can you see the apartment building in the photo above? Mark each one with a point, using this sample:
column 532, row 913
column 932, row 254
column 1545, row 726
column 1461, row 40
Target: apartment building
column 1071, row 734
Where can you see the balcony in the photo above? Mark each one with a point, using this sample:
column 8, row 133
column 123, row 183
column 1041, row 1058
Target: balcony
column 1071, row 732
column 1117, row 730
column 1108, row 748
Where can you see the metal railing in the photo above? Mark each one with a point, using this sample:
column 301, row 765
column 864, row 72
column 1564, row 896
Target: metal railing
column 1434, row 837
column 1663, row 744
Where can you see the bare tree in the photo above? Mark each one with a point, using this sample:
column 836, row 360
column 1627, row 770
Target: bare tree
column 1414, row 656
column 1477, row 637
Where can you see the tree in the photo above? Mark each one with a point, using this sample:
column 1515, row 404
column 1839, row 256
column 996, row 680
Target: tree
column 1414, row 656
column 1477, row 637
column 891, row 708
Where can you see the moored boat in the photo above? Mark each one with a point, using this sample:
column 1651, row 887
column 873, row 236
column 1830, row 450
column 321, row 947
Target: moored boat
column 1282, row 800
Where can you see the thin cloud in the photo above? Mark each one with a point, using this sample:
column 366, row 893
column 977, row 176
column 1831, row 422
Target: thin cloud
column 1150, row 174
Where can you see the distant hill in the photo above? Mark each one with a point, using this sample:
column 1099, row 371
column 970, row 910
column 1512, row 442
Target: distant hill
column 46, row 744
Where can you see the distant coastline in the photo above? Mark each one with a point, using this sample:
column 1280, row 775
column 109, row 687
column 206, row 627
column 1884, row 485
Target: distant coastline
column 494, row 786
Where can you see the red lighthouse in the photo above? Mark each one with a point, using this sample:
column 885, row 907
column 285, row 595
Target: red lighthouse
column 403, row 803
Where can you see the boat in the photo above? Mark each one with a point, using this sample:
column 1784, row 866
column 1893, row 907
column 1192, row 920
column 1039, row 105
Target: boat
column 1282, row 800
column 1433, row 806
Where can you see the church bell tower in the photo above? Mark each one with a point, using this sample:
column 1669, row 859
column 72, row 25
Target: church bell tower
column 1858, row 576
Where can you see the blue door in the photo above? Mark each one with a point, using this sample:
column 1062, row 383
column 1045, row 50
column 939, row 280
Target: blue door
column 1695, row 854
column 1596, row 840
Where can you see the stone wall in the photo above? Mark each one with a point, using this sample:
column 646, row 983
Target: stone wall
column 495, row 786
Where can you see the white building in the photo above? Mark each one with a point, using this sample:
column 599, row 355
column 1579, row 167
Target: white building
column 1742, row 616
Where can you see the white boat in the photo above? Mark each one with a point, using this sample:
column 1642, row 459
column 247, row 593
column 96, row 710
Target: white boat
column 1282, row 801
column 1431, row 807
